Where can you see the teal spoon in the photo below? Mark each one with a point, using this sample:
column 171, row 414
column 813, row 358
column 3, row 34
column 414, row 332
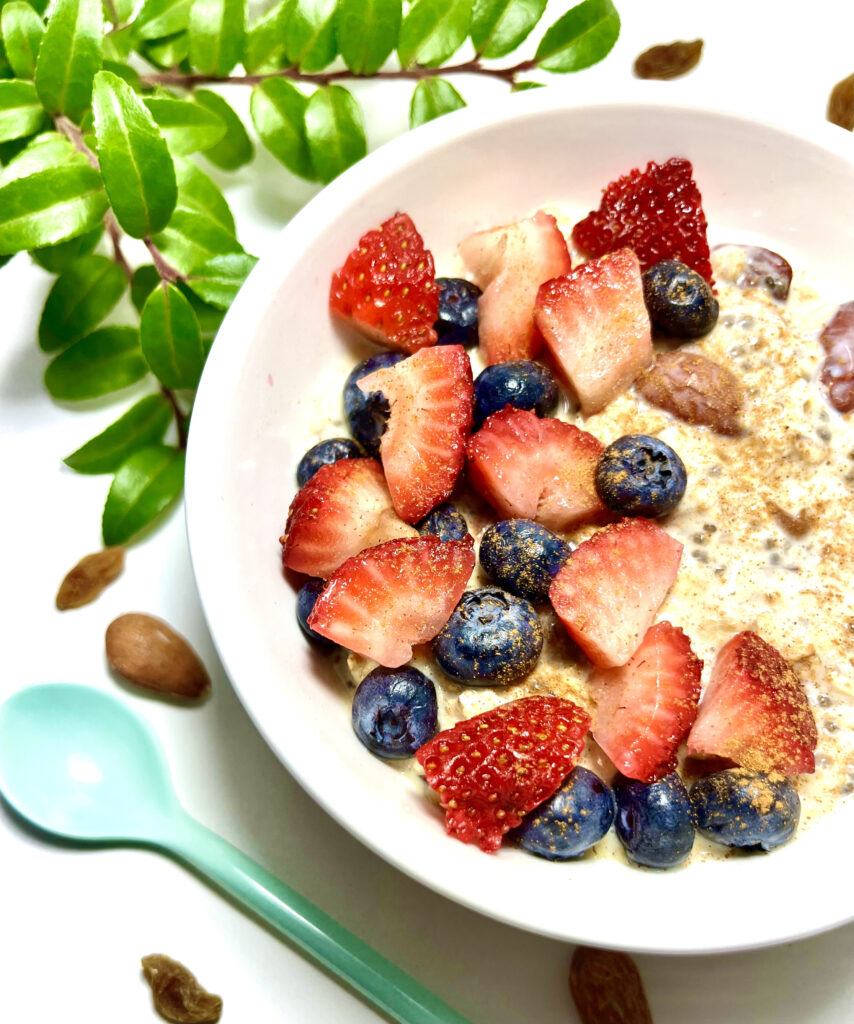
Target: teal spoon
column 79, row 764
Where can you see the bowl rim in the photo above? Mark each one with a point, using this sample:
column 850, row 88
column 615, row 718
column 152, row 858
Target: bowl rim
column 202, row 489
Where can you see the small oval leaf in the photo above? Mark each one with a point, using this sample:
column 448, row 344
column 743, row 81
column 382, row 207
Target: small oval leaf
column 143, row 424
column 235, row 147
column 216, row 35
column 218, row 280
column 22, row 33
column 310, row 34
column 186, row 126
column 264, row 46
column 79, row 300
column 160, row 18
column 170, row 338
column 104, row 361
column 196, row 191
column 335, row 131
column 168, row 52
column 69, row 56
column 58, row 258
column 583, row 36
column 433, row 31
column 21, row 111
column 144, row 486
column 499, row 26
column 278, row 113
column 432, row 98
column 192, row 237
column 49, row 149
column 367, row 32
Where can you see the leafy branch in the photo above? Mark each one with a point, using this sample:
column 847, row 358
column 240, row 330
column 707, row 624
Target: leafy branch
column 95, row 152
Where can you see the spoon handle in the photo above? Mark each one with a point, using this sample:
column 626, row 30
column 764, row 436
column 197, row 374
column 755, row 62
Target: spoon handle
column 378, row 979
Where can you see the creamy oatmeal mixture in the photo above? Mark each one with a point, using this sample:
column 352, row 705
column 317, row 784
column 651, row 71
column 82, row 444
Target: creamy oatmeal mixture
column 766, row 523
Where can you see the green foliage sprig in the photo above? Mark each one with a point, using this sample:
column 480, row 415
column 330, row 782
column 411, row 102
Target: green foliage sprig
column 101, row 104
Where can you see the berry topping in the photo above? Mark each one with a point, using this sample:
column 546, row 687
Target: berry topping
column 384, row 600
column 324, row 453
column 367, row 414
column 491, row 637
column 423, row 447
column 523, row 384
column 386, row 288
column 395, row 711
column 655, row 822
column 444, row 522
column 837, row 370
column 645, row 708
column 695, row 389
column 510, row 263
column 343, row 508
column 612, row 585
column 532, row 468
column 572, row 820
column 522, row 557
column 639, row 475
column 595, row 324
column 680, row 301
column 307, row 596
column 658, row 212
column 754, row 710
column 457, row 323
column 496, row 767
column 751, row 266
column 739, row 807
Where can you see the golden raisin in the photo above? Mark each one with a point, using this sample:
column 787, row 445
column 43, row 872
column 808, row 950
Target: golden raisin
column 177, row 995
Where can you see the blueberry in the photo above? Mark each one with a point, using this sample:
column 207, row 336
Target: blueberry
column 572, row 820
column 395, row 711
column 457, row 323
column 655, row 821
column 679, row 300
column 324, row 453
column 491, row 637
column 523, row 557
column 639, row 475
column 368, row 414
column 444, row 522
column 523, row 384
column 739, row 807
column 306, row 599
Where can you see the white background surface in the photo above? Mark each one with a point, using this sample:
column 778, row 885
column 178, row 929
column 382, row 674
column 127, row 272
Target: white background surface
column 73, row 924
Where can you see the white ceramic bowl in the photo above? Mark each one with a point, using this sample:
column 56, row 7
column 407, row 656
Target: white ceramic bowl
column 278, row 361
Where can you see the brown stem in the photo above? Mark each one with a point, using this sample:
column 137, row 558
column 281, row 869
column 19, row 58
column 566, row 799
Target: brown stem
column 115, row 233
column 166, row 271
column 471, row 67
column 181, row 418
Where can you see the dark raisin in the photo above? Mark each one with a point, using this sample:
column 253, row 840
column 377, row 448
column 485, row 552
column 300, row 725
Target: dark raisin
column 837, row 370
column 840, row 106
column 669, row 61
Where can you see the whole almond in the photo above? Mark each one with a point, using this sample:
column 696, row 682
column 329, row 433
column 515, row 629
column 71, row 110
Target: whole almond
column 694, row 388
column 88, row 578
column 607, row 988
column 146, row 651
column 669, row 60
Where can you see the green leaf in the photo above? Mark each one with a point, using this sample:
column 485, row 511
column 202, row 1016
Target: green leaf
column 159, row 18
column 168, row 52
column 583, row 36
column 310, row 34
column 193, row 237
column 39, row 6
column 170, row 338
column 57, row 258
column 218, row 280
column 432, row 31
column 104, row 361
column 278, row 112
column 50, row 206
column 335, row 131
column 143, row 424
column 499, row 26
column 117, row 12
column 69, row 56
column 367, row 32
column 235, row 148
column 186, row 126
column 118, row 46
column 432, row 98
column 265, row 40
column 525, row 86
column 145, row 280
column 125, row 72
column 146, row 483
column 41, row 153
column 216, row 35
column 21, row 112
column 22, row 32
column 135, row 162
column 197, row 192
column 79, row 300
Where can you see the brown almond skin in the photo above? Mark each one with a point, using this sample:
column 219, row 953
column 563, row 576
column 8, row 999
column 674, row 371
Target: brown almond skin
column 146, row 651
column 607, row 988
column 840, row 105
column 695, row 389
column 87, row 579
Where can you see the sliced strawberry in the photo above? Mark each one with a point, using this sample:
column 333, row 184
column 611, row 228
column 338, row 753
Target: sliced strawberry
column 386, row 599
column 595, row 324
column 645, row 708
column 343, row 508
column 611, row 586
column 658, row 212
column 491, row 770
column 423, row 448
column 510, row 263
column 387, row 288
column 755, row 711
column 532, row 468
